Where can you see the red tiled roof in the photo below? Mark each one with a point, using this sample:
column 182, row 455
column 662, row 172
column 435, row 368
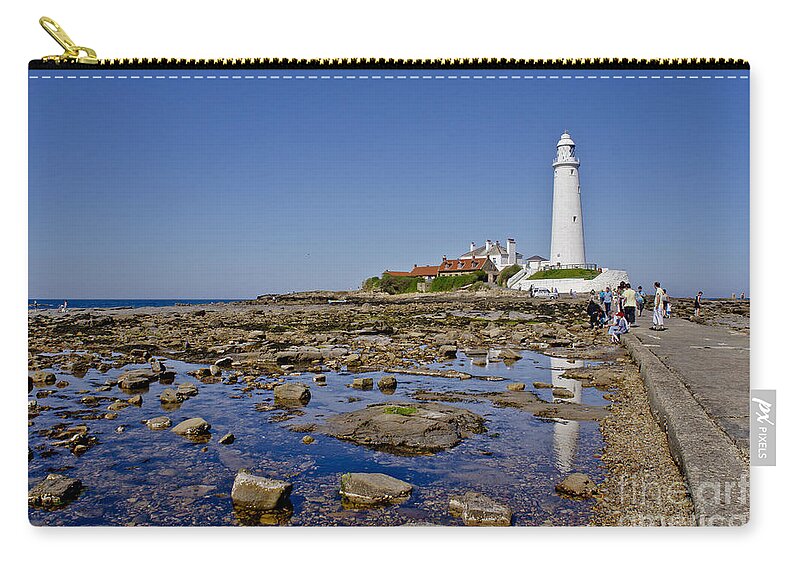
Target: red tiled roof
column 453, row 265
column 398, row 273
column 425, row 271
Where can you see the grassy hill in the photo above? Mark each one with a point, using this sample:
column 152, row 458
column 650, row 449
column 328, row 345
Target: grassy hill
column 565, row 274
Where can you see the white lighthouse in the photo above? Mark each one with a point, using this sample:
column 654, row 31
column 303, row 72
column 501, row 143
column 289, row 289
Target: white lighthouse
column 566, row 241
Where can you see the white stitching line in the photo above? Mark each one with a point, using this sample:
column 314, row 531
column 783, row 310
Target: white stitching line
column 365, row 77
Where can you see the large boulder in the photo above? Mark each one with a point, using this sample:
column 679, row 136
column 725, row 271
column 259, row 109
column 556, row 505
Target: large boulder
column 259, row 493
column 577, row 485
column 159, row 423
column 563, row 393
column 187, row 390
column 448, row 351
column 42, row 378
column 299, row 354
column 170, row 397
column 136, row 379
column 387, row 383
column 373, row 489
column 193, row 428
column 362, row 383
column 405, row 428
column 476, row 509
column 292, row 393
column 54, row 490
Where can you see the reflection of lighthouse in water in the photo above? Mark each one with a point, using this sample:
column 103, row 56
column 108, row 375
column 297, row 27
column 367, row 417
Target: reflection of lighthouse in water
column 565, row 433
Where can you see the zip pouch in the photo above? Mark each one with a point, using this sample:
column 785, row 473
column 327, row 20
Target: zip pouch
column 387, row 292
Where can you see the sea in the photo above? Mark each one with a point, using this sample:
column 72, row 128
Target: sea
column 113, row 303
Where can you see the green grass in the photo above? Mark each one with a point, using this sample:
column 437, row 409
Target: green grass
column 507, row 273
column 400, row 410
column 565, row 274
column 453, row 282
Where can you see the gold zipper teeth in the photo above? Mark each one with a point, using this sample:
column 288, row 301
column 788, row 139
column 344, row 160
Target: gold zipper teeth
column 364, row 62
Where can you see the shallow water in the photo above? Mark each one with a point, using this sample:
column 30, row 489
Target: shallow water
column 143, row 477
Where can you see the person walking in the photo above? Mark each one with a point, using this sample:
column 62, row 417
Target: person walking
column 640, row 300
column 697, row 304
column 607, row 299
column 658, row 308
column 629, row 304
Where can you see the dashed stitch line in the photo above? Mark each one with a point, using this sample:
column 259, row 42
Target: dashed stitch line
column 367, row 77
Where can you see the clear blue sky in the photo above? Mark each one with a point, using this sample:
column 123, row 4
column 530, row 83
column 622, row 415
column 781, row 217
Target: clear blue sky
column 200, row 188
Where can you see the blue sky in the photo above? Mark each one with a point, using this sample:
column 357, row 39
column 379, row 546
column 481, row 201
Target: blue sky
column 223, row 188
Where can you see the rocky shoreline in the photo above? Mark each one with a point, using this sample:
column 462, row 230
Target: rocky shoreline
column 257, row 344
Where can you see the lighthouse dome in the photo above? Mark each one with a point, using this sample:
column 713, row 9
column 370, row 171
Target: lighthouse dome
column 565, row 140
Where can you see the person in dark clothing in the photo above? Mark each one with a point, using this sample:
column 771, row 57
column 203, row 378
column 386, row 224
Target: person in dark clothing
column 595, row 314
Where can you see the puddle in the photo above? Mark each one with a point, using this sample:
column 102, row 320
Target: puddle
column 138, row 476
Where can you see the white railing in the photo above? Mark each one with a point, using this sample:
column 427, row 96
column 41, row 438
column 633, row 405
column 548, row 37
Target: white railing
column 516, row 278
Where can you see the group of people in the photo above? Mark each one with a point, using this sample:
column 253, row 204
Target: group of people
column 618, row 309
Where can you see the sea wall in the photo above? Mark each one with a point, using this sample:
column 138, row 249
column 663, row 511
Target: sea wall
column 608, row 278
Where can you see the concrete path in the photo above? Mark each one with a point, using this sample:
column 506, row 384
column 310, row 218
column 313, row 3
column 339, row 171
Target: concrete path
column 713, row 363
column 697, row 382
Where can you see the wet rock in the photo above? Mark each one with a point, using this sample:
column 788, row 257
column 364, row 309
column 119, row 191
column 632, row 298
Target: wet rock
column 159, row 423
column 373, row 489
column 408, row 428
column 201, row 372
column 577, row 485
column 476, row 509
column 90, row 401
column 387, row 383
column 215, row 370
column 117, row 406
column 187, row 390
column 362, row 383
column 140, row 353
column 62, row 384
column 259, row 493
column 541, row 385
column 508, row 354
column 193, row 427
column 136, row 379
column 307, row 439
column 169, row 397
column 516, row 386
column 320, row 379
column 227, row 439
column 224, row 362
column 157, row 366
column 562, row 393
column 448, row 351
column 54, row 490
column 292, row 393
column 298, row 355
column 135, row 400
column 166, row 377
column 41, row 378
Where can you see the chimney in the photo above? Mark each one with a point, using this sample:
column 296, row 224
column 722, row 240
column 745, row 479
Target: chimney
column 472, row 246
column 511, row 246
column 488, row 245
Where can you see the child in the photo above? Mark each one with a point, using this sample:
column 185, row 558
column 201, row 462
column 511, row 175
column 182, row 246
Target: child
column 620, row 326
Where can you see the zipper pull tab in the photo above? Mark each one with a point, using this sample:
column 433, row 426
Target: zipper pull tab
column 72, row 52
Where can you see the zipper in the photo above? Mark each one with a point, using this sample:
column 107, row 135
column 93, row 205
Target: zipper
column 78, row 57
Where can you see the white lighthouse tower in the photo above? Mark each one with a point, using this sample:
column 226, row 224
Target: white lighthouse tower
column 566, row 241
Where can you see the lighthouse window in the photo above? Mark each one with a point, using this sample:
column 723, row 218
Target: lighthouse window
column 574, row 218
column 572, row 171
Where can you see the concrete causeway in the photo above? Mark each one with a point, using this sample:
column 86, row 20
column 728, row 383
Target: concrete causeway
column 698, row 381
